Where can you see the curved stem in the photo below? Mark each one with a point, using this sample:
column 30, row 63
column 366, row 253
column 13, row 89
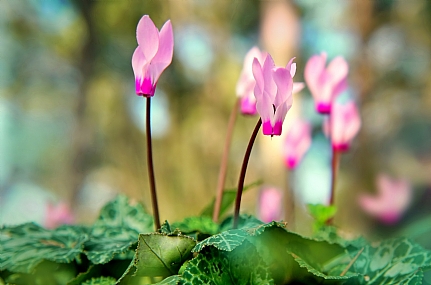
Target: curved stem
column 151, row 168
column 223, row 165
column 243, row 171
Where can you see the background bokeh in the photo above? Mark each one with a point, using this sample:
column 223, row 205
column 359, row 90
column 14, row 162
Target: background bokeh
column 72, row 128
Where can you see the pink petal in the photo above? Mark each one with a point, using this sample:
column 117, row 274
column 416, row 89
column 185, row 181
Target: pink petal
column 278, row 119
column 138, row 63
column 297, row 87
column 283, row 81
column 265, row 109
column 291, row 66
column 148, row 37
column 353, row 121
column 248, row 105
column 267, row 71
column 270, row 205
column 163, row 57
column 258, row 76
column 338, row 70
column 246, row 78
column 297, row 142
column 313, row 70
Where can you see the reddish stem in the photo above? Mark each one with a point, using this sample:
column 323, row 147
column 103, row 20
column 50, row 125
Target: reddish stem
column 243, row 171
column 223, row 165
column 151, row 168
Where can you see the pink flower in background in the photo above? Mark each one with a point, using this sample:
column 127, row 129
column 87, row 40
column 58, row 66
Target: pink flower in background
column 325, row 84
column 270, row 205
column 57, row 215
column 273, row 92
column 246, row 82
column 392, row 200
column 296, row 144
column 343, row 125
column 152, row 56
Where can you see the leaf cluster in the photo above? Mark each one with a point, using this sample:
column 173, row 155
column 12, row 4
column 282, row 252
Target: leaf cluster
column 121, row 248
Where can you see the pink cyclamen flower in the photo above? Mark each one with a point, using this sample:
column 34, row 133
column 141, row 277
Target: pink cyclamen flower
column 57, row 215
column 296, row 144
column 343, row 125
column 273, row 92
column 270, row 205
column 152, row 56
column 326, row 84
column 246, row 82
column 392, row 200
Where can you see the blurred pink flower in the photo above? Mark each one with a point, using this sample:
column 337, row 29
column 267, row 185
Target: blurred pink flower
column 246, row 82
column 57, row 215
column 273, row 92
column 343, row 125
column 152, row 56
column 270, row 204
column 392, row 200
column 325, row 84
column 296, row 143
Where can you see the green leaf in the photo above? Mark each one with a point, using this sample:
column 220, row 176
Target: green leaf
column 229, row 196
column 319, row 277
column 116, row 230
column 23, row 247
column 45, row 273
column 128, row 273
column 204, row 225
column 231, row 239
column 240, row 266
column 92, row 271
column 162, row 255
column 171, row 280
column 100, row 281
column 321, row 214
column 395, row 261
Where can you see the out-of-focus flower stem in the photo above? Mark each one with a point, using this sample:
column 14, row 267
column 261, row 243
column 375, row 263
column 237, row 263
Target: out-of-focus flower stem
column 243, row 171
column 223, row 165
column 151, row 168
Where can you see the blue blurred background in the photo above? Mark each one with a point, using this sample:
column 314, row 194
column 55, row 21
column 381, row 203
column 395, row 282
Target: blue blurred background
column 72, row 128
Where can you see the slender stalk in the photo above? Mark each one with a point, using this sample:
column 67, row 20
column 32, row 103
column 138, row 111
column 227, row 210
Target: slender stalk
column 243, row 171
column 223, row 165
column 289, row 202
column 151, row 168
column 334, row 170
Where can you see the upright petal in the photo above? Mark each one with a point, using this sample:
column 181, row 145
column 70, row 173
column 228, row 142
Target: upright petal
column 267, row 71
column 163, row 57
column 353, row 121
column 148, row 37
column 138, row 62
column 278, row 118
column 338, row 69
column 313, row 70
column 246, row 77
column 291, row 66
column 258, row 76
column 283, row 81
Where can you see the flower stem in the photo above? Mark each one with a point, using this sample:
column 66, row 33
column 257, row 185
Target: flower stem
column 334, row 172
column 151, row 168
column 223, row 166
column 243, row 171
column 289, row 201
